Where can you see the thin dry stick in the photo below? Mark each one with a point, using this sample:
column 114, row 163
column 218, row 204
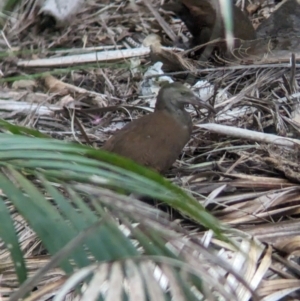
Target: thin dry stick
column 164, row 25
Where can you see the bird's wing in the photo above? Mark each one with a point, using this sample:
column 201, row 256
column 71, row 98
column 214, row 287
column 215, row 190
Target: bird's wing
column 154, row 140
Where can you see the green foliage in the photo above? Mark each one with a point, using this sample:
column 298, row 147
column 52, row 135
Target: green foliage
column 8, row 7
column 63, row 189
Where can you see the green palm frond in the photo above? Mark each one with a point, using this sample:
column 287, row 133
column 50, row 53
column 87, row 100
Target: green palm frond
column 63, row 189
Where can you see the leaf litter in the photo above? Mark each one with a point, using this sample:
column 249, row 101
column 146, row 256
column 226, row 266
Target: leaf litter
column 241, row 164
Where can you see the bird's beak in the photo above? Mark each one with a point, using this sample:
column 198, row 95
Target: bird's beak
column 196, row 101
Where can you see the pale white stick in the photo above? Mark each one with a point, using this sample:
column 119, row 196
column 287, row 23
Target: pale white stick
column 100, row 56
column 249, row 135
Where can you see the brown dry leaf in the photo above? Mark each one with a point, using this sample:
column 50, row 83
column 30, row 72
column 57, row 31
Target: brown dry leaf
column 55, row 86
column 290, row 168
column 170, row 59
column 30, row 97
column 27, row 84
column 151, row 40
column 290, row 245
column 278, row 288
column 274, row 233
column 253, row 7
column 67, row 101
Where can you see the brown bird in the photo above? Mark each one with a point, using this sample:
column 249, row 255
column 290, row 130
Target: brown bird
column 203, row 19
column 157, row 139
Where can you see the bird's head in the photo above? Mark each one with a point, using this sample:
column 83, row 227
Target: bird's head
column 174, row 96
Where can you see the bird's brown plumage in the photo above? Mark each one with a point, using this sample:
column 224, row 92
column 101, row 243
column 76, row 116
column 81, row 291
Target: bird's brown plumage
column 157, row 139
column 203, row 20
